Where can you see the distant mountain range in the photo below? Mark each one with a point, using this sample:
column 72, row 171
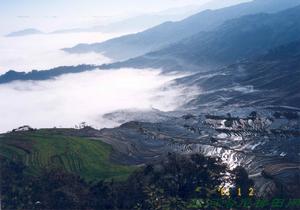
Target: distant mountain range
column 138, row 22
column 171, row 32
column 128, row 25
column 237, row 39
column 145, row 21
column 244, row 63
column 135, row 23
column 271, row 79
column 43, row 74
column 25, row 32
column 240, row 48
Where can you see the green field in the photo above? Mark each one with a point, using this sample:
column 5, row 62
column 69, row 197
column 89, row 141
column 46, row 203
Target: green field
column 46, row 149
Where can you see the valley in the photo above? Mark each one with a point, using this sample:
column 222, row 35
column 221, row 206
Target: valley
column 171, row 114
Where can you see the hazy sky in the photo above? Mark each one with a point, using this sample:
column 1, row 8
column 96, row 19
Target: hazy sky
column 43, row 52
column 88, row 7
column 57, row 14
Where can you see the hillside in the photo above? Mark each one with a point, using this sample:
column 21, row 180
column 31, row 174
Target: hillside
column 54, row 148
column 171, row 32
column 43, row 74
column 225, row 45
column 256, row 82
column 243, row 38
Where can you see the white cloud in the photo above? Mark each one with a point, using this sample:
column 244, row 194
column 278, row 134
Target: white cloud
column 74, row 98
column 43, row 51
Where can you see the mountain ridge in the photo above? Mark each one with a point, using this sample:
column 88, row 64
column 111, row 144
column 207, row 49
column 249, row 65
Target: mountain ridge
column 25, row 32
column 225, row 45
column 171, row 32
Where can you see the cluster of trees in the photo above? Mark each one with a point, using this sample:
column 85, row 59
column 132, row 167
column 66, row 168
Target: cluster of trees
column 172, row 183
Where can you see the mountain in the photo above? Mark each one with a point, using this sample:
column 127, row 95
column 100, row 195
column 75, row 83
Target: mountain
column 250, row 83
column 25, row 32
column 139, row 22
column 246, row 114
column 221, row 4
column 264, row 141
column 59, row 168
column 57, row 148
column 242, row 38
column 171, row 32
column 145, row 21
column 43, row 74
column 205, row 51
column 56, row 189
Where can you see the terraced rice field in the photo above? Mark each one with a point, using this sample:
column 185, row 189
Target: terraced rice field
column 45, row 149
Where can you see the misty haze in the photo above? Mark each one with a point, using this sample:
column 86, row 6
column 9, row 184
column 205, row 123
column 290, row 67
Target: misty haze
column 150, row 105
column 43, row 51
column 71, row 99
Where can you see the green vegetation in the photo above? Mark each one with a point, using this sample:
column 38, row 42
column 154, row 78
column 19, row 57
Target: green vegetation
column 45, row 149
column 177, row 182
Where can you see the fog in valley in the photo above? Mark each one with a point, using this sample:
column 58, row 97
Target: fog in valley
column 74, row 98
column 71, row 99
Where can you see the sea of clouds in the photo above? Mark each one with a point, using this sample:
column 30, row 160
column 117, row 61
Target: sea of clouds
column 73, row 98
